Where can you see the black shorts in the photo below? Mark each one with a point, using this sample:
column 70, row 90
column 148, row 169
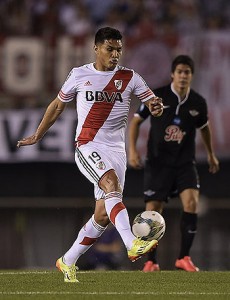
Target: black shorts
column 163, row 182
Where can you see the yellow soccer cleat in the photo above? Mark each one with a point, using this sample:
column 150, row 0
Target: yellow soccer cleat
column 140, row 248
column 68, row 271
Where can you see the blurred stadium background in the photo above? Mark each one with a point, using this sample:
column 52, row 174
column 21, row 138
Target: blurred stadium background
column 44, row 200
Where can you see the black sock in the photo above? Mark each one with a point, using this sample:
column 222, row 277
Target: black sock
column 188, row 228
column 153, row 256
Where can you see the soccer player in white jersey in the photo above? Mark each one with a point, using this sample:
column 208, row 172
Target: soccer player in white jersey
column 102, row 93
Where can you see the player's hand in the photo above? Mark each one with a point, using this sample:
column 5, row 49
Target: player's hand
column 213, row 164
column 135, row 160
column 31, row 140
column 156, row 107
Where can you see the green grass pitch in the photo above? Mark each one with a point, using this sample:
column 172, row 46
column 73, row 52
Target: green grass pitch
column 117, row 285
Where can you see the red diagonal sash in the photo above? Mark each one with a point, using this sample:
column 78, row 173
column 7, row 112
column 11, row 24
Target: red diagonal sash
column 100, row 111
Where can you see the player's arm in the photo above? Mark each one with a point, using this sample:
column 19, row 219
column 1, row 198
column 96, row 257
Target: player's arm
column 207, row 139
column 133, row 155
column 53, row 111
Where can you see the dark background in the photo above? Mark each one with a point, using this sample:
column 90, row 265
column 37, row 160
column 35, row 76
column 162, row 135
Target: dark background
column 46, row 179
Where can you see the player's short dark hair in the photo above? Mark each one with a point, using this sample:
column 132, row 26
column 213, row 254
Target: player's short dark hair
column 184, row 60
column 107, row 33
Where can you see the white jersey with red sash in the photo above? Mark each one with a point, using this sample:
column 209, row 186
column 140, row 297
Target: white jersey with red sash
column 103, row 101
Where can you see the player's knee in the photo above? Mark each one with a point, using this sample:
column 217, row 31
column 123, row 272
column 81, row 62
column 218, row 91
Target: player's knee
column 191, row 206
column 110, row 182
column 154, row 205
column 190, row 198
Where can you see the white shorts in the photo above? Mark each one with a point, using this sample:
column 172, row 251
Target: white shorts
column 94, row 163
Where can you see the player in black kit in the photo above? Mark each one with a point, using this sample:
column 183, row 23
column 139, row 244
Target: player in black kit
column 170, row 167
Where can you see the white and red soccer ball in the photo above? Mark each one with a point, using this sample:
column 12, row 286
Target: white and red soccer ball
column 149, row 225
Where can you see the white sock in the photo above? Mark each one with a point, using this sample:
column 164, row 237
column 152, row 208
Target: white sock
column 87, row 236
column 118, row 215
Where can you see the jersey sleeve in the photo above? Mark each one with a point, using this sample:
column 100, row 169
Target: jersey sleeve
column 141, row 89
column 142, row 111
column 202, row 120
column 68, row 90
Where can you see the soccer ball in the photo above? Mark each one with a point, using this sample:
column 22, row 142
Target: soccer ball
column 149, row 225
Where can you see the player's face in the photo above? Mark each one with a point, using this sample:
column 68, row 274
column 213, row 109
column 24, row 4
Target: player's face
column 182, row 77
column 108, row 55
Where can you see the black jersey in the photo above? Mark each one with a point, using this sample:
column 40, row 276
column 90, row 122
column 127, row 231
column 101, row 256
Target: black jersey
column 172, row 136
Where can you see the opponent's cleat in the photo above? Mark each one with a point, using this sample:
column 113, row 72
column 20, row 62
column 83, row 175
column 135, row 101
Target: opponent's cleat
column 68, row 271
column 140, row 248
column 151, row 267
column 186, row 264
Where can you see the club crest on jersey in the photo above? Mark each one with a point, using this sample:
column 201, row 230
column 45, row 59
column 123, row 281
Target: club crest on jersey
column 174, row 134
column 100, row 165
column 194, row 113
column 118, row 84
